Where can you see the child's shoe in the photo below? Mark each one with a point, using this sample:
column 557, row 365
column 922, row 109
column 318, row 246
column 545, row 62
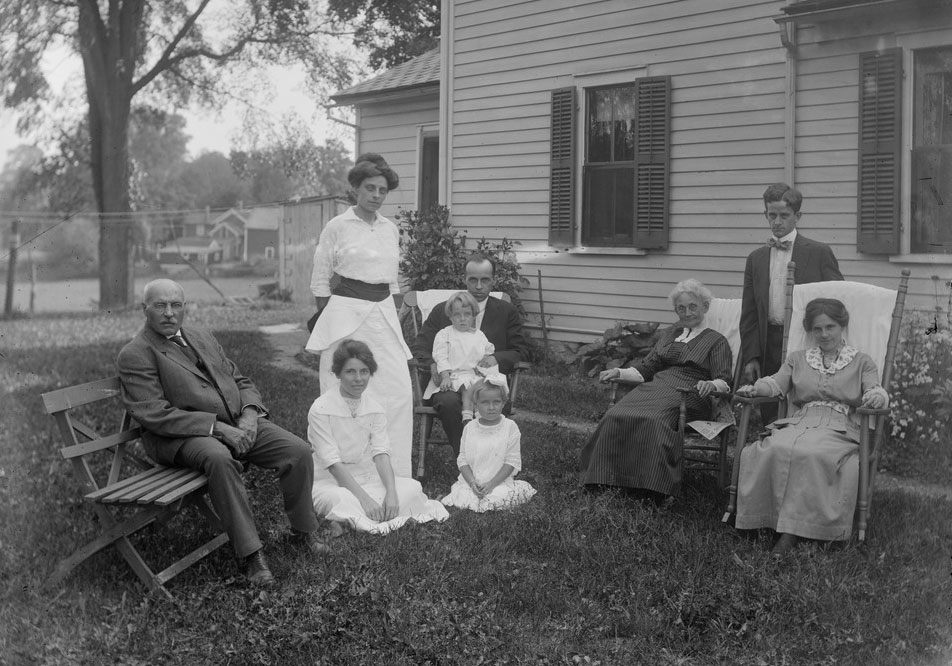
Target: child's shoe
column 467, row 415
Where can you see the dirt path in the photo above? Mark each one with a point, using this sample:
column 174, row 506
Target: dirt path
column 289, row 339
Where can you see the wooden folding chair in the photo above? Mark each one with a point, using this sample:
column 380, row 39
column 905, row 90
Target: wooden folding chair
column 875, row 321
column 419, row 308
column 699, row 454
column 124, row 502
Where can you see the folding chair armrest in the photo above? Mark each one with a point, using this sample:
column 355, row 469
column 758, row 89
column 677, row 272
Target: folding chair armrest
column 727, row 395
column 517, row 370
column 869, row 411
column 744, row 400
column 415, row 369
column 615, row 383
column 623, row 382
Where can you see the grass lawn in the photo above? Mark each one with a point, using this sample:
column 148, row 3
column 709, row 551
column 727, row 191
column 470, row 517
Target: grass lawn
column 569, row 578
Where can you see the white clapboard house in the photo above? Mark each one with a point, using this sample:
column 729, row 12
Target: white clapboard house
column 626, row 144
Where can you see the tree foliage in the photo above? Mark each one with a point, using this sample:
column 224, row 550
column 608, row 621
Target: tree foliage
column 393, row 31
column 169, row 50
column 290, row 164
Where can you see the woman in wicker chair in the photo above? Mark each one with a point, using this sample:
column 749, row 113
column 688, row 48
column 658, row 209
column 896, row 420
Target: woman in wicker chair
column 801, row 480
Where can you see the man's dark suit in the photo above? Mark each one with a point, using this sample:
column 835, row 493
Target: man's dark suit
column 815, row 262
column 502, row 326
column 177, row 405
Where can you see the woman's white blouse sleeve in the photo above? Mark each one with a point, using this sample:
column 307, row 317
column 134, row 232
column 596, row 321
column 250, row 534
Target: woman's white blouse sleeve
column 323, row 263
column 514, row 448
column 379, row 439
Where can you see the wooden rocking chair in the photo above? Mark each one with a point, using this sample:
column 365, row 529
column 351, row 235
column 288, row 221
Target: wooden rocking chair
column 699, row 454
column 875, row 319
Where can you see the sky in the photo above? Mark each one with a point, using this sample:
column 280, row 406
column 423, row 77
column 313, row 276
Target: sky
column 282, row 91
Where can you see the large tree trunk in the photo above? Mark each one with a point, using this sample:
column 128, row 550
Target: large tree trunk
column 108, row 49
column 110, row 167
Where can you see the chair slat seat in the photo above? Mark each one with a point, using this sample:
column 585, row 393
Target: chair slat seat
column 175, row 494
column 150, row 474
column 156, row 487
column 149, row 495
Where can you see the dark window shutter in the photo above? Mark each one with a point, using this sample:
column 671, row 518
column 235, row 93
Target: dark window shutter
column 652, row 157
column 562, row 178
column 880, row 139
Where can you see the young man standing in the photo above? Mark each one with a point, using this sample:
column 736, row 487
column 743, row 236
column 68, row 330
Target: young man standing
column 761, row 319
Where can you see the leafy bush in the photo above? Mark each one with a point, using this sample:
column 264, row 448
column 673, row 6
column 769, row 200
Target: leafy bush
column 618, row 347
column 921, row 391
column 507, row 278
column 433, row 256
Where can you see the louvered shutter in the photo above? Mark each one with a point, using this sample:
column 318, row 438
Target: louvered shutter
column 880, row 139
column 652, row 156
column 562, row 178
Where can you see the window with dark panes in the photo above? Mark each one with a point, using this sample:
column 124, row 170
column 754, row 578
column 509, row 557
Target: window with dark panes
column 624, row 165
column 931, row 190
column 609, row 167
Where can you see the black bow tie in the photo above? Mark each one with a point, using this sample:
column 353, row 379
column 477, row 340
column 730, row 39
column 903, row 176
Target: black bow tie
column 779, row 244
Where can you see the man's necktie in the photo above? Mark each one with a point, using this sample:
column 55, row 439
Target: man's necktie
column 192, row 355
column 779, row 244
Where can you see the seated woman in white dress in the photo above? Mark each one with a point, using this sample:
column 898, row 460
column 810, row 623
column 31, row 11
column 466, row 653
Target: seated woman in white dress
column 354, row 483
column 489, row 455
column 802, row 480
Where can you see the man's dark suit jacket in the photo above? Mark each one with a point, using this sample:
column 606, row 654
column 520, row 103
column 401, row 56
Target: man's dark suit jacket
column 167, row 394
column 501, row 324
column 815, row 263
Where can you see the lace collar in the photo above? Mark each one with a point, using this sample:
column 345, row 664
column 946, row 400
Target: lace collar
column 815, row 359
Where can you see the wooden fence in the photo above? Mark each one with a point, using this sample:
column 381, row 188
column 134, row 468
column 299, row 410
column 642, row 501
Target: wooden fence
column 297, row 237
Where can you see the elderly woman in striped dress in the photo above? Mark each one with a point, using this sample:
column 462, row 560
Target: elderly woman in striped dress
column 636, row 444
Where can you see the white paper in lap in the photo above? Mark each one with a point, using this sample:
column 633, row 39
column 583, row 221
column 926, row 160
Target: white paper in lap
column 870, row 308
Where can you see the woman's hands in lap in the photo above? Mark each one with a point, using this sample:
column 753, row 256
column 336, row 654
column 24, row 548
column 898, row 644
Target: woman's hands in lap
column 608, row 375
column 382, row 512
column 875, row 400
column 705, row 387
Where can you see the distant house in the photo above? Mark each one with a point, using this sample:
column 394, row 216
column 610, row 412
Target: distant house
column 261, row 231
column 626, row 145
column 242, row 234
column 198, row 250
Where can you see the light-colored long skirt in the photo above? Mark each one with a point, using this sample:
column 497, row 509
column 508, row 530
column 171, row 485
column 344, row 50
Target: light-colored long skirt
column 801, row 480
column 506, row 495
column 373, row 324
column 340, row 505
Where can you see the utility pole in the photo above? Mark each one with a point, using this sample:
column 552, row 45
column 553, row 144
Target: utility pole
column 12, row 267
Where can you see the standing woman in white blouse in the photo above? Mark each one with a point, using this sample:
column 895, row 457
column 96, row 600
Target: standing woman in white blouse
column 362, row 248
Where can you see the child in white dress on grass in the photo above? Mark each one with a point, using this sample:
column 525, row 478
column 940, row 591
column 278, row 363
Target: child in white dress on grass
column 489, row 455
column 462, row 352
column 354, row 483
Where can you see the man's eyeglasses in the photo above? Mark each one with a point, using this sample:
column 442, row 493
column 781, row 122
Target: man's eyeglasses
column 161, row 306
